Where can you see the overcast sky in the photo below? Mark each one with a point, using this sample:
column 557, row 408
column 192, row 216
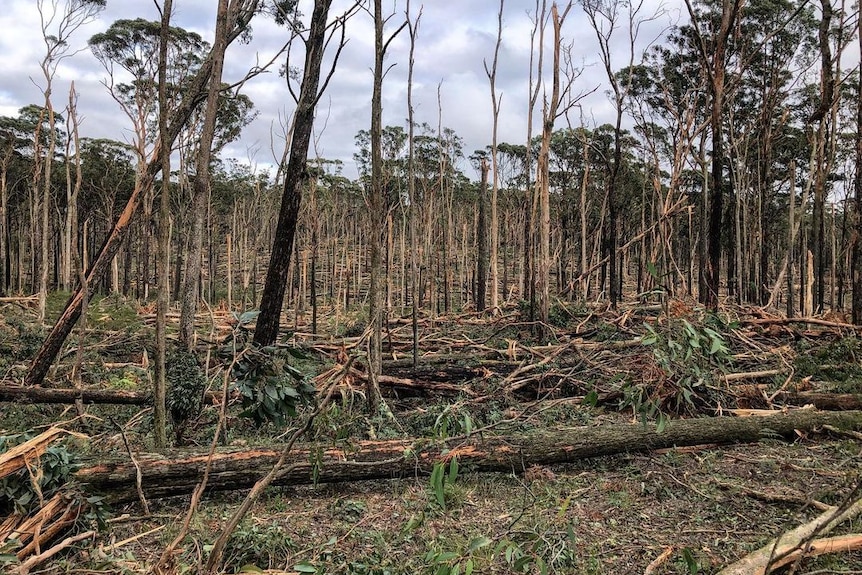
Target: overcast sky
column 455, row 36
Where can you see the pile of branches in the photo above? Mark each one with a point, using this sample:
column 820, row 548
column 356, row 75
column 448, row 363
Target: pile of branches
column 45, row 511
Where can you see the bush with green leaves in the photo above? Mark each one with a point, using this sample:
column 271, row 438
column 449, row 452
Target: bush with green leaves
column 270, row 388
column 252, row 548
column 687, row 363
column 186, row 384
column 836, row 363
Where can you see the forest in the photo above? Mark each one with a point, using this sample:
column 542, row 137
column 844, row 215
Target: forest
column 619, row 346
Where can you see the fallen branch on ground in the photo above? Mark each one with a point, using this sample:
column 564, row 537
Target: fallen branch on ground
column 791, row 545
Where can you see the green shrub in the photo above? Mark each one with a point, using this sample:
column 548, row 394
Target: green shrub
column 186, row 384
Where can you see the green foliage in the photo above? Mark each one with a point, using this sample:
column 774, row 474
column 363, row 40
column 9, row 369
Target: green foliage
column 536, row 551
column 18, row 341
column 264, row 546
column 186, row 384
column 837, row 363
column 687, row 363
column 23, row 490
column 442, row 480
column 452, row 422
column 690, row 561
column 442, row 562
column 270, row 387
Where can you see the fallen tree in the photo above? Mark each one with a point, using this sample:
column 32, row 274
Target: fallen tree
column 238, row 469
column 21, row 394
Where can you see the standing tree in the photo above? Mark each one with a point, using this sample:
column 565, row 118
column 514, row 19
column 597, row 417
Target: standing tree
column 201, row 185
column 482, row 237
column 413, row 30
column 856, row 242
column 163, row 262
column 712, row 55
column 57, row 28
column 495, row 186
column 604, row 16
column 377, row 207
column 296, row 173
column 131, row 47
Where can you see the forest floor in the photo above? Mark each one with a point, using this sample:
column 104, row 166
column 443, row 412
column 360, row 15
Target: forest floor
column 678, row 510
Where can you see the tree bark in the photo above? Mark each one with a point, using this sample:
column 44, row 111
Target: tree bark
column 482, row 241
column 44, row 395
column 856, row 250
column 21, row 394
column 230, row 470
column 163, row 264
column 201, row 184
column 295, row 177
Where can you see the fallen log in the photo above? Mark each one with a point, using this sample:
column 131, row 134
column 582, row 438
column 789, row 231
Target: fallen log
column 22, row 394
column 238, row 469
column 822, row 400
column 819, row 399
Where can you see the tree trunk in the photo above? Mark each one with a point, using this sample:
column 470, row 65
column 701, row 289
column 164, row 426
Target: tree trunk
column 482, row 241
column 495, row 187
column 856, row 250
column 295, row 176
column 377, row 220
column 44, row 395
column 201, row 184
column 163, row 263
column 407, row 458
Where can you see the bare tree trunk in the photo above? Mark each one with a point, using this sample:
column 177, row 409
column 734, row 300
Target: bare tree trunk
column 856, row 249
column 163, row 263
column 529, row 283
column 377, row 220
column 201, row 184
column 482, row 241
column 295, row 177
column 413, row 30
column 495, row 187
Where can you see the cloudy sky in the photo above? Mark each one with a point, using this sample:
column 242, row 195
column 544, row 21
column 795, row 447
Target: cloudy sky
column 455, row 37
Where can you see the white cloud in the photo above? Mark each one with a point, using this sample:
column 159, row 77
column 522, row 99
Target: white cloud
column 455, row 37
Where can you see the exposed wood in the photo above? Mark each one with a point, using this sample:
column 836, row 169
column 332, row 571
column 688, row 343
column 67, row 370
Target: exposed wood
column 163, row 477
column 786, row 548
column 16, row 458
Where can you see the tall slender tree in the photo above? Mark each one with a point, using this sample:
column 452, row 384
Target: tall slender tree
column 496, row 102
column 377, row 206
column 201, row 184
column 856, row 250
column 712, row 54
column 163, row 261
column 296, row 173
